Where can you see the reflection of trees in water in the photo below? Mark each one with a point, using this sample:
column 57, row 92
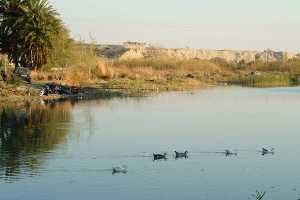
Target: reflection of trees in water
column 26, row 135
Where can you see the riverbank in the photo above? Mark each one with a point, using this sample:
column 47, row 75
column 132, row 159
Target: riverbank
column 140, row 77
column 123, row 78
column 20, row 94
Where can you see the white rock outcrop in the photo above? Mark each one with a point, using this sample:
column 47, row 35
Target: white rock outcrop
column 135, row 50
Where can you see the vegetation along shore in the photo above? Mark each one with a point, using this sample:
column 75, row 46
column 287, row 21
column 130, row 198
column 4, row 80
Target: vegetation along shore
column 36, row 49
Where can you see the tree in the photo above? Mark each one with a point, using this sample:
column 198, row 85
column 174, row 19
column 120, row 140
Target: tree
column 61, row 55
column 27, row 31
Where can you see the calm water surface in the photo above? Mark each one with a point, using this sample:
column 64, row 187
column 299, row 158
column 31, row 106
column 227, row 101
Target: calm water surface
column 67, row 150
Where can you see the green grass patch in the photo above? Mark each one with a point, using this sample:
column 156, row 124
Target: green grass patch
column 266, row 80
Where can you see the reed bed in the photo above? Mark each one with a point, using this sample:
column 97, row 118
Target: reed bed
column 267, row 80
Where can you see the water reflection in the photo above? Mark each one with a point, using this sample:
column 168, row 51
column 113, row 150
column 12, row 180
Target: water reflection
column 28, row 135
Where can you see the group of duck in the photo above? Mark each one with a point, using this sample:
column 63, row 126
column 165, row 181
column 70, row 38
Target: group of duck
column 227, row 152
column 123, row 169
column 164, row 155
column 178, row 155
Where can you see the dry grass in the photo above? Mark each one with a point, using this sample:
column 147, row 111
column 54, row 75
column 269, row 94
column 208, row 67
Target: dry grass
column 142, row 75
column 166, row 68
column 103, row 70
column 10, row 90
column 77, row 74
column 138, row 73
column 162, row 73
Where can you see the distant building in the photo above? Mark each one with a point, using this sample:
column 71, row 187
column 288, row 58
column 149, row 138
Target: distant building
column 135, row 45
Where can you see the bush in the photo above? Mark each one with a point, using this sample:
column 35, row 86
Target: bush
column 266, row 80
column 291, row 66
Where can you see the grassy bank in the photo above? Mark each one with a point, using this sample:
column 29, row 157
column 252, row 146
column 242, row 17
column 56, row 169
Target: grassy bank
column 266, row 80
column 141, row 74
column 268, row 74
column 138, row 77
column 171, row 74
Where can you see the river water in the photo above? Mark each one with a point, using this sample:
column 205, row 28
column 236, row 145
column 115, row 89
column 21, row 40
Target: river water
column 67, row 150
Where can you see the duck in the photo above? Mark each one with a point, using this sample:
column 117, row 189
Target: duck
column 181, row 154
column 265, row 151
column 229, row 153
column 118, row 170
column 160, row 156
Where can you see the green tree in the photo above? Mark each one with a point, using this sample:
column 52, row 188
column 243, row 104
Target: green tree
column 27, row 31
column 63, row 52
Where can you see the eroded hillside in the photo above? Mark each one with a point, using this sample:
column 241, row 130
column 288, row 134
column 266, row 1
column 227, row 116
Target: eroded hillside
column 134, row 50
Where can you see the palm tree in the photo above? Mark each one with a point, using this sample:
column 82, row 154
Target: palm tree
column 27, row 31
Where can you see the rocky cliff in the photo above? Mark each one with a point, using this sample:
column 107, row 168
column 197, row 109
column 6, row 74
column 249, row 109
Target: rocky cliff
column 133, row 50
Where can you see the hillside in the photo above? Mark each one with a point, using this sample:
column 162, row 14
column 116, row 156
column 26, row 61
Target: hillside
column 134, row 50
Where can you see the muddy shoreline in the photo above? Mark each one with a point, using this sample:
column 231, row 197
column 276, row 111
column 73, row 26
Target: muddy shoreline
column 13, row 94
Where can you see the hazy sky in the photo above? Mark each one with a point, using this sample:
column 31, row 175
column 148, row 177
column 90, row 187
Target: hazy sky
column 206, row 24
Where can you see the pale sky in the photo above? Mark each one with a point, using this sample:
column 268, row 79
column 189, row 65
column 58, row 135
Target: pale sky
column 202, row 24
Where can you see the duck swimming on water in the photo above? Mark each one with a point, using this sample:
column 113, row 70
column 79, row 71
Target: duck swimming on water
column 160, row 156
column 181, row 154
column 118, row 170
column 229, row 153
column 265, row 151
